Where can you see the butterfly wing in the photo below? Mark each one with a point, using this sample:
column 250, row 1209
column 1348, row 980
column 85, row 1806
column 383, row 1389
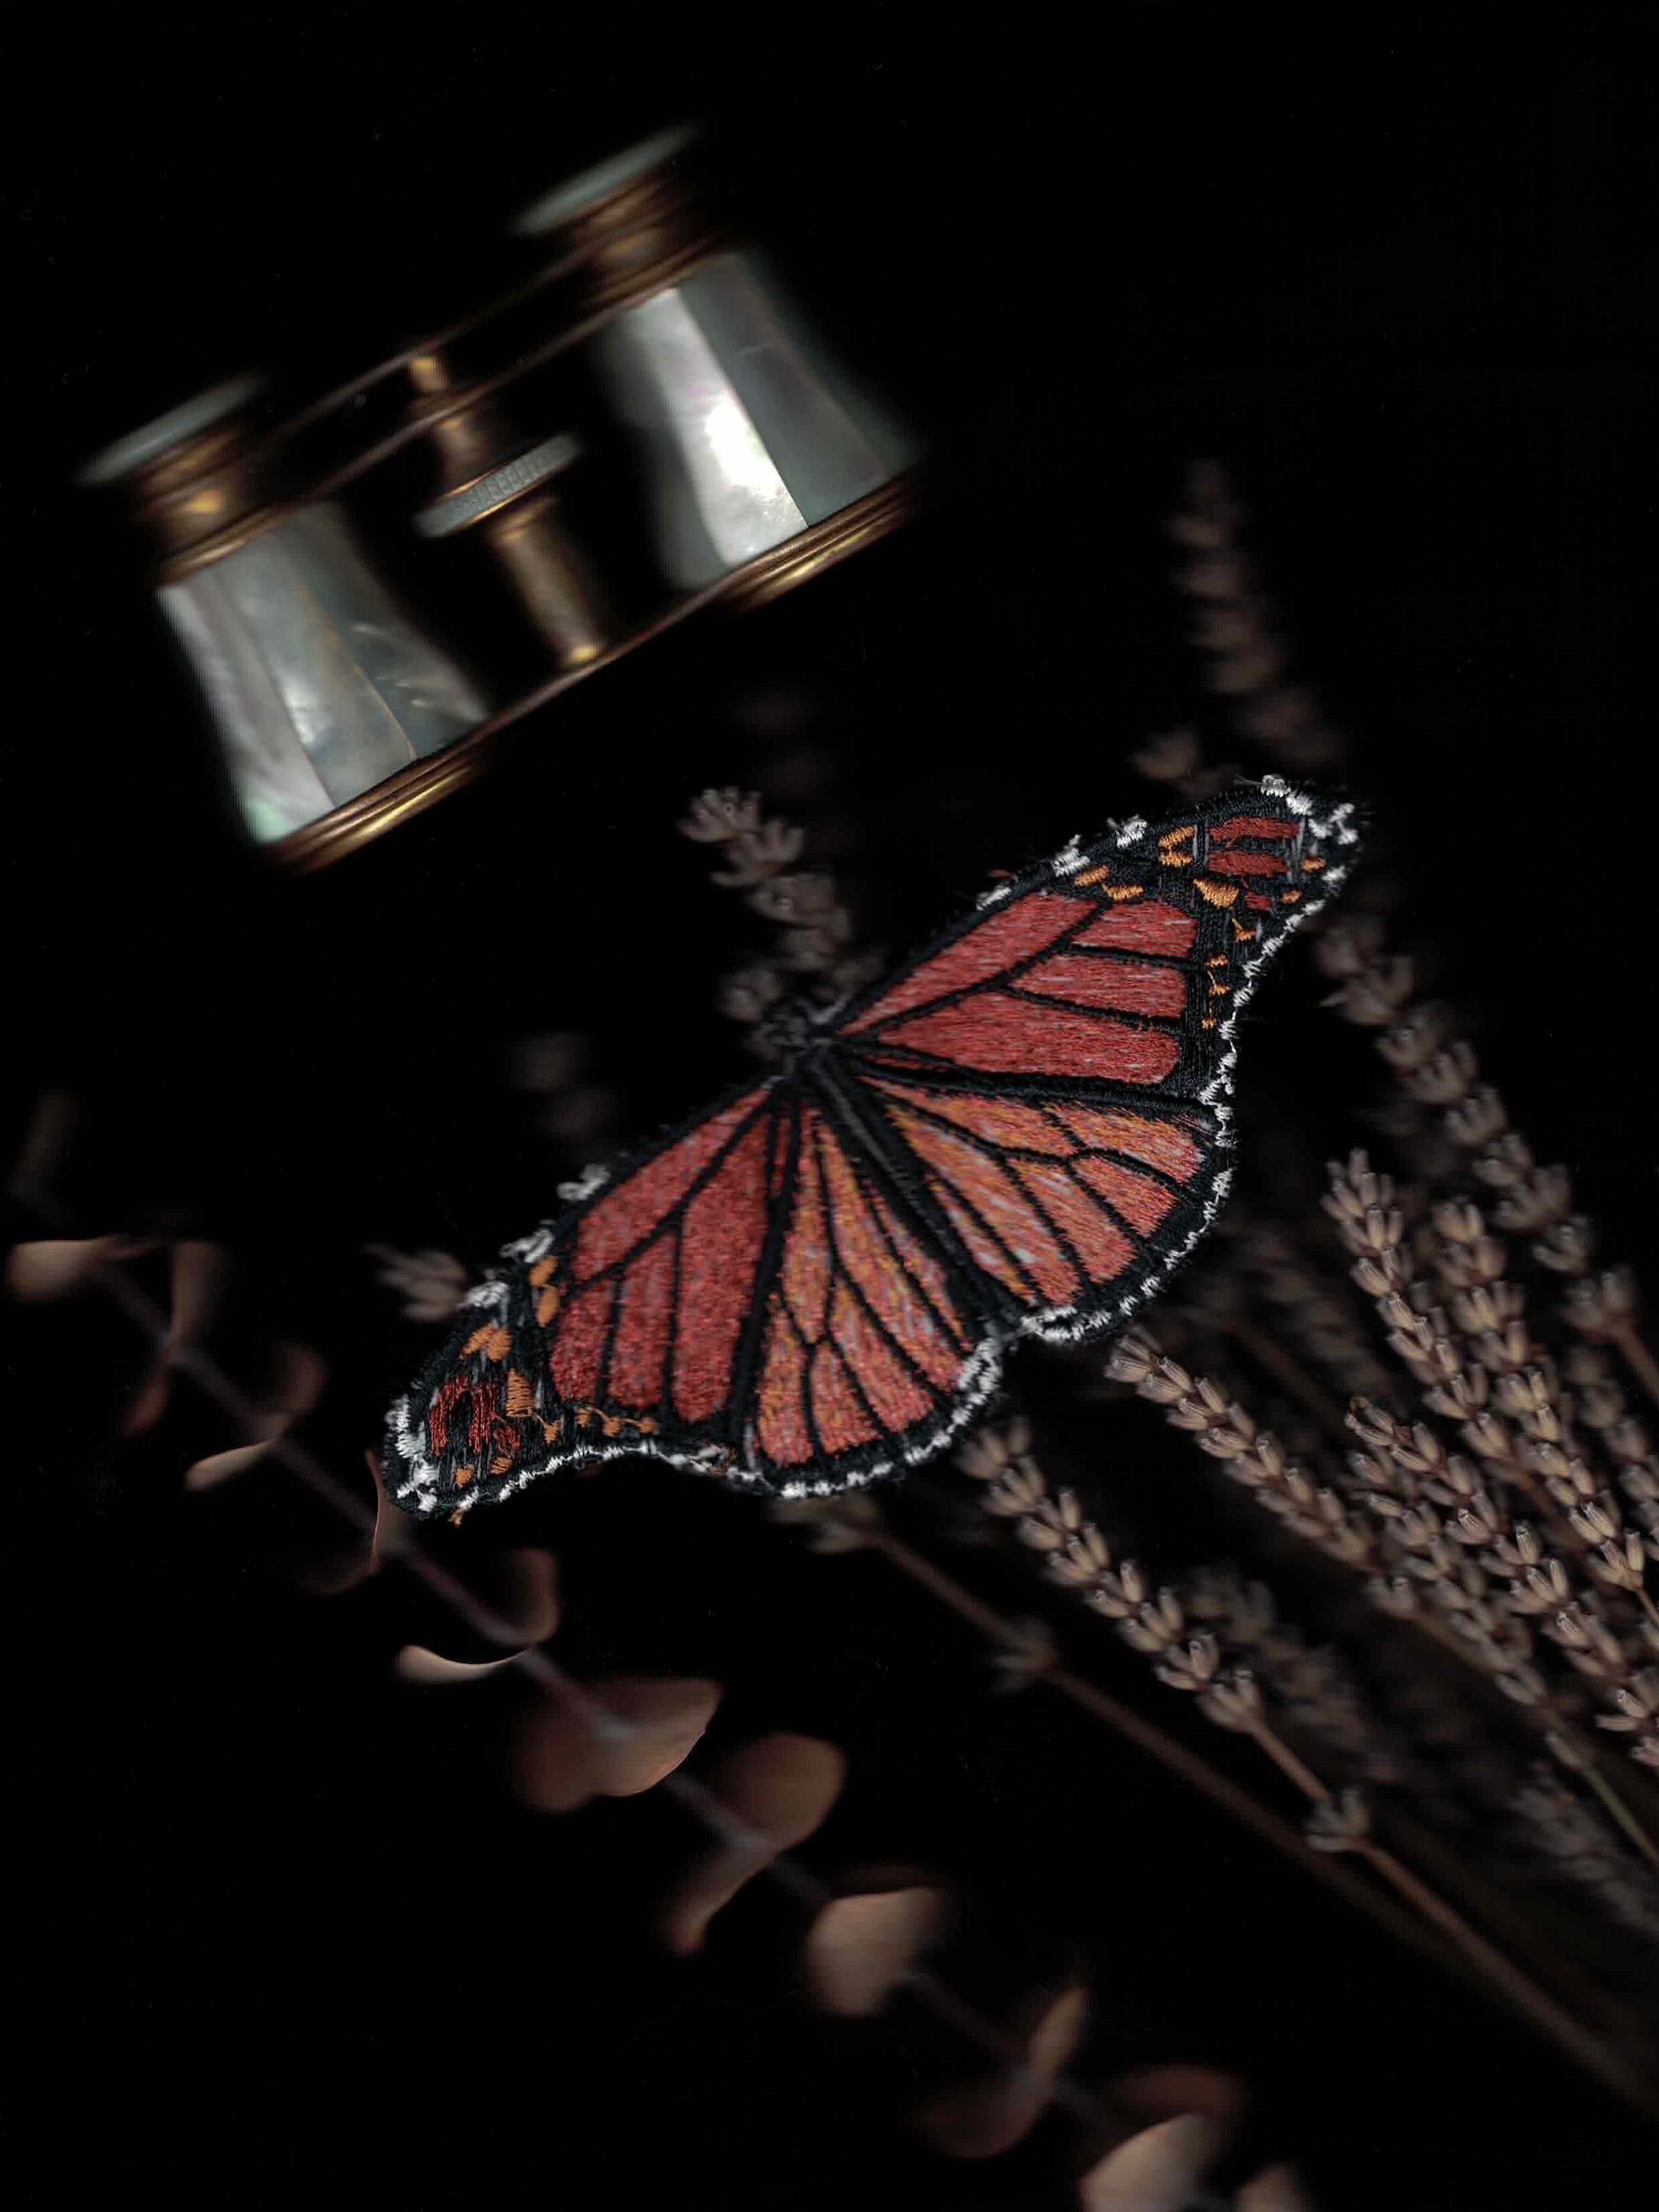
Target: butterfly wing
column 813, row 1285
column 1050, row 1082
column 618, row 1326
column 872, row 1347
column 747, row 1300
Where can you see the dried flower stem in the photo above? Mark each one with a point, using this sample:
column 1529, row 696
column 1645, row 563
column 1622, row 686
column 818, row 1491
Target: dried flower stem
column 1638, row 1358
column 1287, row 1762
column 1604, row 2060
column 1315, row 1308
column 856, row 1522
column 1274, row 1360
column 1219, row 1426
column 1555, row 1822
column 1311, row 1685
column 1621, row 1814
column 1078, row 1559
column 1478, row 1358
column 1407, row 1554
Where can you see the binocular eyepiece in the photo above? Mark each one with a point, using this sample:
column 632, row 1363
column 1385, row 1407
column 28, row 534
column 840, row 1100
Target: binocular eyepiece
column 732, row 457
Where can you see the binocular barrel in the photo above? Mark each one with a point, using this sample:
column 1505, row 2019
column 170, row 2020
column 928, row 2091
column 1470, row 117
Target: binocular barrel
column 732, row 457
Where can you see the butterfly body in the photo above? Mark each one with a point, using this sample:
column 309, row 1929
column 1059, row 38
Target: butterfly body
column 813, row 1284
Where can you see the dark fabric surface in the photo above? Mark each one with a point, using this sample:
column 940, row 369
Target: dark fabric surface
column 285, row 1931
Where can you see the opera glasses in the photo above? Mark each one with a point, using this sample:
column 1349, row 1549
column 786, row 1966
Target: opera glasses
column 665, row 434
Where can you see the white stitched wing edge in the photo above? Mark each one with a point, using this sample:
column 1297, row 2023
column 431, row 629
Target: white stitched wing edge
column 981, row 1373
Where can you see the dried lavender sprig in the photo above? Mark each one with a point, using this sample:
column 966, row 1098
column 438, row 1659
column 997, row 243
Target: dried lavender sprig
column 1454, row 1356
column 1219, row 1425
column 1400, row 1557
column 1554, row 1822
column 1176, row 759
column 1311, row 1685
column 814, row 929
column 1313, row 1311
column 1343, row 1825
column 1490, row 1579
column 856, row 1521
column 1527, row 1456
column 1233, row 627
column 1438, row 1069
column 1077, row 1557
column 1603, row 1408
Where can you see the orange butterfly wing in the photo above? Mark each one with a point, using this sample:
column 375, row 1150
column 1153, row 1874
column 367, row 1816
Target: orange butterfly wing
column 747, row 1300
column 1051, row 1082
column 813, row 1284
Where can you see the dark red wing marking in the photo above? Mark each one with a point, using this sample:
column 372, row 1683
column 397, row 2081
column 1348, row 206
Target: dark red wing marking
column 721, row 1240
column 1228, row 856
column 864, row 1338
column 1052, row 1201
column 813, row 1276
column 1244, row 863
column 639, row 1202
column 639, row 1350
column 1129, row 987
column 997, row 1033
column 640, row 1312
column 1052, row 984
column 1007, row 937
column 664, row 1274
column 1151, row 926
column 1277, row 826
column 575, row 1352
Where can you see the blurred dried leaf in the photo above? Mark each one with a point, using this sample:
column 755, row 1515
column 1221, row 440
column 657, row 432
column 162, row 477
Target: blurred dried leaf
column 56, row 1266
column 859, row 1947
column 546, row 1063
column 300, row 1375
column 336, row 1567
column 1148, row 2094
column 417, row 1664
column 579, row 1114
column 516, row 1607
column 985, row 2116
column 525, row 1599
column 429, row 1285
column 199, row 1273
column 1169, row 757
column 360, row 1558
column 557, row 1761
column 1275, row 2189
column 779, row 1787
column 52, row 1124
column 394, row 1529
column 1157, row 2171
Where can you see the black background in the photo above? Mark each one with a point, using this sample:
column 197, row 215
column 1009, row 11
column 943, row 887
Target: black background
column 285, row 1933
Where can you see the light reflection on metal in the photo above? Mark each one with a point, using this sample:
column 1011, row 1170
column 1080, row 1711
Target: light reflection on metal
column 759, row 459
column 319, row 683
column 751, row 433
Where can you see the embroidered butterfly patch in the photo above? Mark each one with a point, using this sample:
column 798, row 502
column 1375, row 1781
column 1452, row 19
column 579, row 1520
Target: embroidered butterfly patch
column 813, row 1284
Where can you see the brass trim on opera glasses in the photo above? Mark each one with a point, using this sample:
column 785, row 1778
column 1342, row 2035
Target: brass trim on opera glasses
column 504, row 489
column 757, row 461
column 633, row 224
column 193, row 478
column 319, row 683
column 752, row 436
